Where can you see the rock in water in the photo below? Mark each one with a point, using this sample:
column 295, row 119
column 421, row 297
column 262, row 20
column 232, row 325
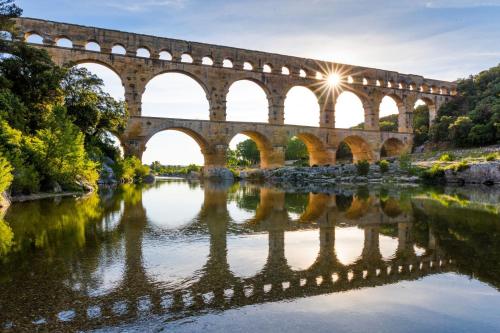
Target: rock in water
column 149, row 179
column 218, row 173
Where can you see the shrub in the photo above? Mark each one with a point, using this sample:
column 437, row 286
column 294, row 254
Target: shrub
column 26, row 180
column 491, row 157
column 5, row 174
column 460, row 166
column 362, row 167
column 384, row 166
column 405, row 162
column 433, row 175
column 131, row 169
column 446, row 158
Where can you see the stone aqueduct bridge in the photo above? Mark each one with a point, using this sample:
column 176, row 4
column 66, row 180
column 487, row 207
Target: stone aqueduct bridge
column 275, row 74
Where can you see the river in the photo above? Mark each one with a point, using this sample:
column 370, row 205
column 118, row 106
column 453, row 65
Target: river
column 184, row 256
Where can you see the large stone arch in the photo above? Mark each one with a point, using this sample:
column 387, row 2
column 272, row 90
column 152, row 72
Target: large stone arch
column 431, row 105
column 319, row 154
column 265, row 89
column 360, row 148
column 197, row 81
column 205, row 147
column 286, row 111
column 270, row 156
column 360, row 99
column 392, row 147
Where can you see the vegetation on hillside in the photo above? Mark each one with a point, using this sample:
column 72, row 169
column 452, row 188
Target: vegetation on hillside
column 473, row 117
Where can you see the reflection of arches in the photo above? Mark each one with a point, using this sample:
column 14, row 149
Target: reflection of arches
column 359, row 207
column 301, row 107
column 175, row 94
column 247, row 100
column 156, row 147
column 391, row 207
column 360, row 148
column 392, row 147
column 349, row 110
column 263, row 144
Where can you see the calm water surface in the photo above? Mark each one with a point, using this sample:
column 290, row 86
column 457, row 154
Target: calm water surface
column 182, row 256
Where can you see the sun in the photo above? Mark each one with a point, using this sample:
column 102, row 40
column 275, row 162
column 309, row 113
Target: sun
column 333, row 80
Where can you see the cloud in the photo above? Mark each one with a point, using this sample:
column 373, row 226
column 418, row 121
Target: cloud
column 462, row 3
column 147, row 5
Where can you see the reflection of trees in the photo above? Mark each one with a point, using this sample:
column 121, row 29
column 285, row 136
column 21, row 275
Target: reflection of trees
column 471, row 235
column 296, row 202
column 343, row 202
column 6, row 237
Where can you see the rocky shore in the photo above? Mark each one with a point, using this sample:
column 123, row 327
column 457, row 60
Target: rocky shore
column 487, row 173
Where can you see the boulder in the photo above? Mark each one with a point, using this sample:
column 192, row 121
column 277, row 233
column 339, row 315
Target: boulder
column 481, row 173
column 4, row 200
column 149, row 179
column 218, row 173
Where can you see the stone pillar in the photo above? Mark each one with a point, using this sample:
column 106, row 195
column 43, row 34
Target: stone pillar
column 133, row 146
column 272, row 158
column 327, row 110
column 405, row 118
column 372, row 113
column 215, row 156
column 276, row 109
column 217, row 101
column 134, row 88
column 405, row 241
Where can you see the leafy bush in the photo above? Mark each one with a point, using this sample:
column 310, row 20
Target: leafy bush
column 362, row 167
column 405, row 162
column 434, row 175
column 131, row 169
column 491, row 157
column 446, row 158
column 384, row 166
column 5, row 174
column 458, row 167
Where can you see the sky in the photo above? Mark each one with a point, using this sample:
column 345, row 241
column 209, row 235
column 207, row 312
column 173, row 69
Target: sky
column 445, row 39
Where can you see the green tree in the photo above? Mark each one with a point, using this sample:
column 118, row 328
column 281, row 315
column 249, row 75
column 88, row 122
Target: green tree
column 296, row 150
column 5, row 174
column 247, row 150
column 458, row 131
column 8, row 11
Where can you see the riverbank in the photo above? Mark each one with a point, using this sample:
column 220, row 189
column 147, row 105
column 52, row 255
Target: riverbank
column 461, row 172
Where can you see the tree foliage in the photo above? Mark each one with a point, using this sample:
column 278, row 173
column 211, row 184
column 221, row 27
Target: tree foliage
column 54, row 121
column 473, row 117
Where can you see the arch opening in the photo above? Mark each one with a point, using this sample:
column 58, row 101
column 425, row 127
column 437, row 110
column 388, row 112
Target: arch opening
column 247, row 101
column 359, row 148
column 267, row 68
column 165, row 55
column 118, row 49
column 302, row 73
column 249, row 149
column 389, row 114
column 207, row 61
column 112, row 82
column 175, row 95
column 64, row 42
column 34, row 38
column 175, row 147
column 247, row 66
column 93, row 46
column 285, row 70
column 349, row 111
column 309, row 149
column 227, row 63
column 301, row 107
column 143, row 52
column 392, row 147
column 187, row 58
column 424, row 113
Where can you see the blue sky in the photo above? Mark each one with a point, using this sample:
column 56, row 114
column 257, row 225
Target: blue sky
column 445, row 39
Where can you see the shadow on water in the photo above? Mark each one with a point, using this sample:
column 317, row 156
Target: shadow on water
column 175, row 249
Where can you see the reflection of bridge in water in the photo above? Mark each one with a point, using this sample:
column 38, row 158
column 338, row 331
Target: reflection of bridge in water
column 217, row 288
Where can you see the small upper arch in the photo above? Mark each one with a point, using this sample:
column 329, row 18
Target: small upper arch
column 187, row 58
column 33, row 37
column 227, row 63
column 92, row 45
column 63, row 41
column 118, row 49
column 267, row 68
column 206, row 60
column 165, row 55
column 143, row 52
column 248, row 66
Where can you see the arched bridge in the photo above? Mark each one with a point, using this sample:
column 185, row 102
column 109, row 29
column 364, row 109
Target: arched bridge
column 216, row 68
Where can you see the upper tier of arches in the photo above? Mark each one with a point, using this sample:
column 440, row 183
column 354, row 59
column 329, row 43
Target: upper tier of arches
column 238, row 59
